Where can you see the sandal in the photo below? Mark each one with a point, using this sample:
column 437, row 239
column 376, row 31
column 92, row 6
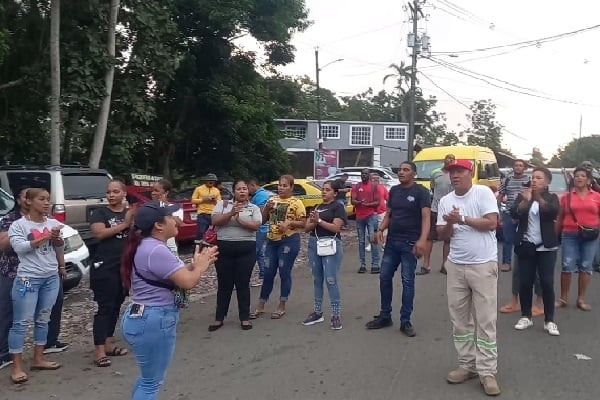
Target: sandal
column 583, row 306
column 19, row 379
column 102, row 362
column 214, row 327
column 117, row 352
column 277, row 314
column 49, row 366
column 257, row 314
column 510, row 308
column 423, row 271
column 560, row 303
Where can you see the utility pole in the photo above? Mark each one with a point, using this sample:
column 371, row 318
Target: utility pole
column 578, row 146
column 415, row 43
column 318, row 70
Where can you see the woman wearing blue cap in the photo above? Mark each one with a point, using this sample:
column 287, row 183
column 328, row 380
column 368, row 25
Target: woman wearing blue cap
column 152, row 273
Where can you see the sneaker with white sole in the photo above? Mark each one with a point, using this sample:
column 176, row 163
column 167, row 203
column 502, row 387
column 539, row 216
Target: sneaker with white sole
column 336, row 323
column 5, row 363
column 368, row 248
column 57, row 347
column 551, row 328
column 524, row 323
column 313, row 318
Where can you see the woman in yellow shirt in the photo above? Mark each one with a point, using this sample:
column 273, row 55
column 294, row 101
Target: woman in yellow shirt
column 286, row 216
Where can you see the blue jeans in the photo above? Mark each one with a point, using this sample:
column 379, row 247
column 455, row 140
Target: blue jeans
column 369, row 224
column 6, row 314
column 35, row 303
column 261, row 260
column 577, row 255
column 398, row 252
column 326, row 268
column 281, row 255
column 152, row 338
column 509, row 230
column 202, row 224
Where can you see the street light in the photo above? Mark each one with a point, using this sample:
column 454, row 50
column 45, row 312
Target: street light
column 318, row 70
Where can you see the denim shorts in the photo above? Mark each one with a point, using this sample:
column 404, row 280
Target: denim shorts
column 577, row 255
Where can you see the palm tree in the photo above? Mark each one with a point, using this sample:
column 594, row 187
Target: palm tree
column 402, row 74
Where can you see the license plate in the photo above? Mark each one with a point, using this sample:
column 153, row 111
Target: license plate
column 193, row 216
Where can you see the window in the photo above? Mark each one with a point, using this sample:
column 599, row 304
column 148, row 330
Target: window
column 361, row 135
column 330, row 131
column 294, row 132
column 85, row 185
column 395, row 132
column 6, row 202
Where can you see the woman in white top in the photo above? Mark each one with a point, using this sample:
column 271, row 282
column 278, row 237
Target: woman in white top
column 161, row 191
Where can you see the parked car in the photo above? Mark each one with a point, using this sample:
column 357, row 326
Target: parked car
column 309, row 192
column 77, row 255
column 387, row 176
column 75, row 191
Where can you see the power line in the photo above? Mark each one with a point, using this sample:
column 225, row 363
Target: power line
column 536, row 42
column 474, row 75
column 398, row 23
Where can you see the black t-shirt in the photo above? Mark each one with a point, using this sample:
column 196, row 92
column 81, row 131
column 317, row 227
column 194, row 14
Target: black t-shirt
column 109, row 250
column 328, row 212
column 340, row 184
column 405, row 205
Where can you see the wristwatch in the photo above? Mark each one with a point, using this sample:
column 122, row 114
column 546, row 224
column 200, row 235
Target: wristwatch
column 462, row 220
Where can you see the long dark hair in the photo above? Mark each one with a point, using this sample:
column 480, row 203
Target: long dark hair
column 127, row 258
column 17, row 196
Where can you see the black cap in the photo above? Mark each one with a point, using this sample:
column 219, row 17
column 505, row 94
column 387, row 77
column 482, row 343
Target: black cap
column 151, row 212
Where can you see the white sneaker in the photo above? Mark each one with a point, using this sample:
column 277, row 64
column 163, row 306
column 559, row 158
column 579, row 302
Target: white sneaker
column 551, row 328
column 523, row 324
column 368, row 248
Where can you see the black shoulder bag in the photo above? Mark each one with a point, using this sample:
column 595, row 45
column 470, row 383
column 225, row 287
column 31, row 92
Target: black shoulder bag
column 586, row 233
column 181, row 296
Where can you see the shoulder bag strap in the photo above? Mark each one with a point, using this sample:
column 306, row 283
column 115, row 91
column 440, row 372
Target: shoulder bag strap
column 570, row 209
column 152, row 282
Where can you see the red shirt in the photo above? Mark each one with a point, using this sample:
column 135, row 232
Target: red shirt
column 383, row 197
column 586, row 209
column 366, row 192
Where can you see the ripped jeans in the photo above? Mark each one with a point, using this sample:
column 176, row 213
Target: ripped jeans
column 326, row 268
column 281, row 255
column 33, row 299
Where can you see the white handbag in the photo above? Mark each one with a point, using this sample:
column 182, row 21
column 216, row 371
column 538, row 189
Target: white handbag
column 326, row 246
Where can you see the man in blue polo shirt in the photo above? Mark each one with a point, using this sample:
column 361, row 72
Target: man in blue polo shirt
column 259, row 198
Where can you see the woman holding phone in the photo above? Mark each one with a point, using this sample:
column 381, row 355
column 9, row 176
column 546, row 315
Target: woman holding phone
column 36, row 239
column 238, row 222
column 286, row 216
column 152, row 272
column 325, row 224
column 110, row 225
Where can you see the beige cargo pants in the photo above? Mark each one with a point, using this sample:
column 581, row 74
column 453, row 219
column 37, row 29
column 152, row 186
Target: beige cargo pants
column 473, row 303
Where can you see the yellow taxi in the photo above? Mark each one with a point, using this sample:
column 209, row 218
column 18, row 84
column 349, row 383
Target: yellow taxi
column 309, row 192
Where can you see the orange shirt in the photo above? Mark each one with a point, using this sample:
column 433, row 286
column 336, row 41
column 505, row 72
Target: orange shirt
column 586, row 210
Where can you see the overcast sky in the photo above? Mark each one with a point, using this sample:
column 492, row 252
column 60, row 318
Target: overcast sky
column 370, row 37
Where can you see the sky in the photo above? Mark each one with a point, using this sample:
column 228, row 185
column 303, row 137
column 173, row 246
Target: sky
column 369, row 36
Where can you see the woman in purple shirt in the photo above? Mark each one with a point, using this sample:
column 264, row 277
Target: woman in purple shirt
column 152, row 272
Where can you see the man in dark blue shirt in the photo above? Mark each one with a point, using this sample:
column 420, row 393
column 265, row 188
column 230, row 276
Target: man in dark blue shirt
column 407, row 219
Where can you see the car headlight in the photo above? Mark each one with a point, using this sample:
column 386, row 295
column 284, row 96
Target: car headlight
column 73, row 243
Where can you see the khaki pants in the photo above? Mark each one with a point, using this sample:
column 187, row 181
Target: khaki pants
column 473, row 301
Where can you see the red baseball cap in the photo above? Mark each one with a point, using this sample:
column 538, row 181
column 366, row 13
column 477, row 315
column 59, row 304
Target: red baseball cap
column 466, row 164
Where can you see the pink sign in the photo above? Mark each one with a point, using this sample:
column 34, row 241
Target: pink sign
column 326, row 163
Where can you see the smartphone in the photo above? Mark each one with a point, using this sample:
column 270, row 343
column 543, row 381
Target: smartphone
column 136, row 310
column 527, row 184
column 202, row 244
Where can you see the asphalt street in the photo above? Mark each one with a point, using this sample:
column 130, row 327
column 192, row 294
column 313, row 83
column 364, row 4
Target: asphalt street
column 281, row 359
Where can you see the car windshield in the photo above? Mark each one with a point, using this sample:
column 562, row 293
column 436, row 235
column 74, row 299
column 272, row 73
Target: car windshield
column 426, row 167
column 85, row 185
column 559, row 183
column 6, row 202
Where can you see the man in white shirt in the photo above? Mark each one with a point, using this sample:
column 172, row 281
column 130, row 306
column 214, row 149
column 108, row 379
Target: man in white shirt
column 468, row 217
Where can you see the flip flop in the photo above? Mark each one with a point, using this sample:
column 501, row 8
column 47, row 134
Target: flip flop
column 277, row 314
column 423, row 271
column 583, row 306
column 117, row 352
column 102, row 362
column 52, row 366
column 560, row 303
column 509, row 308
column 257, row 314
column 20, row 379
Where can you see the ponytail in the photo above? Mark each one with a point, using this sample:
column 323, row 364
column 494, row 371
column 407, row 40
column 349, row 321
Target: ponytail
column 133, row 241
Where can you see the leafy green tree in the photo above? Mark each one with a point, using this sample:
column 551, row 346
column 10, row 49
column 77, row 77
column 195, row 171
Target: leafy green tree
column 485, row 130
column 578, row 150
column 537, row 158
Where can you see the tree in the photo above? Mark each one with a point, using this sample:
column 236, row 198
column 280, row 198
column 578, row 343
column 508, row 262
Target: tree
column 577, row 151
column 484, row 130
column 55, row 125
column 537, row 158
column 402, row 73
column 100, row 134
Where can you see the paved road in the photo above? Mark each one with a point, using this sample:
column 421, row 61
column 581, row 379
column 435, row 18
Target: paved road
column 284, row 360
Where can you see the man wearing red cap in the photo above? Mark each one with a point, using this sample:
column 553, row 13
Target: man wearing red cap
column 468, row 217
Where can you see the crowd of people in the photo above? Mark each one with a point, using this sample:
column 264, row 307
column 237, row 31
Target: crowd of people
column 137, row 256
